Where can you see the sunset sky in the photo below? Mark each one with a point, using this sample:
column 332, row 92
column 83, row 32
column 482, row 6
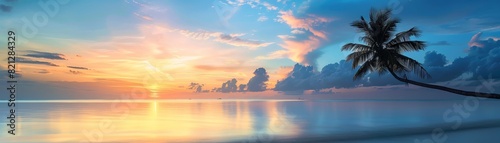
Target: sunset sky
column 98, row 49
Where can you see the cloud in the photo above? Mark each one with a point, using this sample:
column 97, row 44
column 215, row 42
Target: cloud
column 79, row 68
column 297, row 31
column 230, row 39
column 434, row 59
column 230, row 86
column 298, row 79
column 252, row 4
column 197, row 87
column 30, row 61
column 302, row 51
column 460, row 17
column 42, row 71
column 242, row 87
column 200, row 35
column 474, row 41
column 262, row 18
column 303, row 77
column 269, row 6
column 483, row 61
column 440, row 43
column 74, row 72
column 480, row 62
column 5, row 8
column 236, row 41
column 286, row 37
column 258, row 82
column 307, row 23
column 44, row 55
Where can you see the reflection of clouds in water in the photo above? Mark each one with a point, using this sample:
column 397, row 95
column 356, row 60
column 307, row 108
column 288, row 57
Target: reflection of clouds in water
column 235, row 121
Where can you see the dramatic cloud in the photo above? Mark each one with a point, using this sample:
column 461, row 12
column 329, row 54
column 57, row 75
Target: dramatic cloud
column 5, row 8
column 45, row 55
column 269, row 6
column 258, row 82
column 307, row 23
column 302, row 77
column 303, row 48
column 434, row 59
column 230, row 86
column 460, row 17
column 30, row 61
column 480, row 62
column 483, row 61
column 474, row 41
column 298, row 79
column 300, row 50
column 79, row 68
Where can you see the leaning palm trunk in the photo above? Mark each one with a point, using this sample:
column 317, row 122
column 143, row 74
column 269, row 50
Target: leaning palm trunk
column 456, row 91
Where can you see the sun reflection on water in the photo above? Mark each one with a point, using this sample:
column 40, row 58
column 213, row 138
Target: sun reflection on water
column 153, row 121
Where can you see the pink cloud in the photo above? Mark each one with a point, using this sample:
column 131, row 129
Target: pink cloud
column 474, row 41
column 297, row 50
column 307, row 23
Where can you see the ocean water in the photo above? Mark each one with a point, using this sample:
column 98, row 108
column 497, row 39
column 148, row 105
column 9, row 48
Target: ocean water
column 256, row 121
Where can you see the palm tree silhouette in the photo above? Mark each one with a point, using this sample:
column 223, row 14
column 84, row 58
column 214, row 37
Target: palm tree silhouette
column 382, row 51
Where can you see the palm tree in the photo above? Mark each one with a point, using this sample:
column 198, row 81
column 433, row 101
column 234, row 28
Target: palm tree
column 382, row 52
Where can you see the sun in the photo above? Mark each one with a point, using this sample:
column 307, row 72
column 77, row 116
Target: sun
column 153, row 88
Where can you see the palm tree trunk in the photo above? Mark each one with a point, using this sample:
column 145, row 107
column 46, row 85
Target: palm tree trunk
column 456, row 91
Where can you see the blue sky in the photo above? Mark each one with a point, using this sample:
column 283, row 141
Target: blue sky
column 212, row 41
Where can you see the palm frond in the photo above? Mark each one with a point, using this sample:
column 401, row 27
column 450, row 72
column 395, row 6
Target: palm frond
column 404, row 36
column 383, row 16
column 361, row 25
column 367, row 39
column 355, row 47
column 413, row 65
column 379, row 53
column 363, row 70
column 389, row 28
column 359, row 57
